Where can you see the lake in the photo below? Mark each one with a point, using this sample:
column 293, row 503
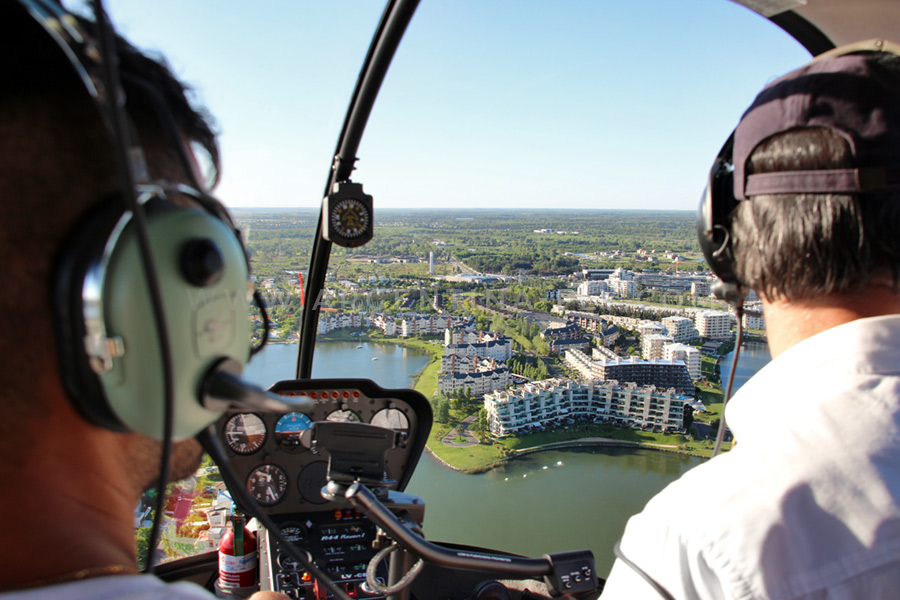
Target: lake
column 754, row 356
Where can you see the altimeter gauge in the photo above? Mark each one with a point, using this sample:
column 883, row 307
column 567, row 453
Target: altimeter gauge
column 267, row 484
column 347, row 218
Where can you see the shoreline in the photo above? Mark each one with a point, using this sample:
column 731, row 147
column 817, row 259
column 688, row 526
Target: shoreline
column 581, row 443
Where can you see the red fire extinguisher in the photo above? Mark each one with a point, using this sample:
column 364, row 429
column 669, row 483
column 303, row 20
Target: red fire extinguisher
column 237, row 556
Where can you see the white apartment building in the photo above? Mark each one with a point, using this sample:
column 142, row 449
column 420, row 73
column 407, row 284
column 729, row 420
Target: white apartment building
column 624, row 288
column 755, row 321
column 478, row 384
column 660, row 373
column 553, row 402
column 328, row 323
column 680, row 329
column 689, row 355
column 651, row 328
column 458, row 363
column 652, row 345
column 713, row 324
column 422, row 324
column 592, row 288
column 500, row 349
column 700, row 288
column 467, row 335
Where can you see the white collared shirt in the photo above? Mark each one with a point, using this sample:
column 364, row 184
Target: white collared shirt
column 807, row 504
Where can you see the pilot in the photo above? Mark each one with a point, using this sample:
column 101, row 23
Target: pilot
column 807, row 503
column 69, row 487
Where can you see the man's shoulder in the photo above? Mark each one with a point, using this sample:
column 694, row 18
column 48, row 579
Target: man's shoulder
column 771, row 515
column 143, row 587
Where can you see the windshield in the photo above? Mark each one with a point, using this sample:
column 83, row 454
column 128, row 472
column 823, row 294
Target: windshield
column 513, row 147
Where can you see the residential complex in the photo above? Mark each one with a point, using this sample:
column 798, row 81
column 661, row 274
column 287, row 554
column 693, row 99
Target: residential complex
column 465, row 333
column 425, row 324
column 499, row 348
column 680, row 329
column 652, row 345
column 660, row 373
column 479, row 367
column 534, row 406
column 478, row 384
column 689, row 355
column 713, row 324
column 328, row 323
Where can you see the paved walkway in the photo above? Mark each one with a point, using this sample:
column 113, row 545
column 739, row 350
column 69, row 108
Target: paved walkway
column 463, row 430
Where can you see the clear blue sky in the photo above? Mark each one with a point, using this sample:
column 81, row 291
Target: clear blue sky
column 489, row 103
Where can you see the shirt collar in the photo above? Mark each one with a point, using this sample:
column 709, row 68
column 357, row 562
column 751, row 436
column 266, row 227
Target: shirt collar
column 868, row 346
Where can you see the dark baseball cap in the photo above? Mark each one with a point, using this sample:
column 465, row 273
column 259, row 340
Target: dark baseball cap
column 854, row 95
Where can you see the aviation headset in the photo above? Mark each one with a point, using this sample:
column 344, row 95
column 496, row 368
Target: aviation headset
column 123, row 359
column 719, row 200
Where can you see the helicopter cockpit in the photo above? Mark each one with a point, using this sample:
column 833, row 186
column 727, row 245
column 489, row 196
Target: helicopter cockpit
column 325, row 465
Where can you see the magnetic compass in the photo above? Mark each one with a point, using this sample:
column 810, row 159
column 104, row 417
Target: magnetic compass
column 347, row 215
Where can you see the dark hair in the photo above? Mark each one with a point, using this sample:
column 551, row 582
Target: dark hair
column 45, row 71
column 803, row 246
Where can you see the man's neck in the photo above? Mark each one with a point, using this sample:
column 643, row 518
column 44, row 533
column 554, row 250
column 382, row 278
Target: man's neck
column 788, row 323
column 77, row 522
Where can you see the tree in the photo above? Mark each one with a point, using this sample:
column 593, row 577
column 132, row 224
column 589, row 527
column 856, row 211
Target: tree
column 543, row 305
column 480, row 425
column 442, row 412
column 142, row 540
column 688, row 418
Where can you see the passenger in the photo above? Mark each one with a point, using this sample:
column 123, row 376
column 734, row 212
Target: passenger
column 70, row 488
column 807, row 504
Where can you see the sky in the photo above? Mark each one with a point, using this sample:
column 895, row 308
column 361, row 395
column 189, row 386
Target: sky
column 591, row 104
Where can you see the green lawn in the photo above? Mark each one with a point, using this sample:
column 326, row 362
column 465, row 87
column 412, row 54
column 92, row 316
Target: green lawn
column 472, row 457
column 427, row 378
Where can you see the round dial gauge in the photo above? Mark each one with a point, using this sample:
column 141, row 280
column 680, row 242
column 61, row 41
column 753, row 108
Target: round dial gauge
column 293, row 532
column 311, row 481
column 344, row 416
column 289, row 563
column 289, row 427
column 349, row 218
column 391, row 418
column 267, row 484
column 244, row 433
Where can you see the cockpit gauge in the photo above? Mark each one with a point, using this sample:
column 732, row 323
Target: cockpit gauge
column 289, row 563
column 311, row 481
column 346, row 416
column 391, row 418
column 289, row 427
column 293, row 532
column 347, row 215
column 244, row 433
column 267, row 484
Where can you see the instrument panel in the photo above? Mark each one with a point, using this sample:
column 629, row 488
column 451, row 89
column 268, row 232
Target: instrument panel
column 283, row 475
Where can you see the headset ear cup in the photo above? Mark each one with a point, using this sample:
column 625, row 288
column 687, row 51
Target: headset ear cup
column 206, row 318
column 714, row 226
column 82, row 249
